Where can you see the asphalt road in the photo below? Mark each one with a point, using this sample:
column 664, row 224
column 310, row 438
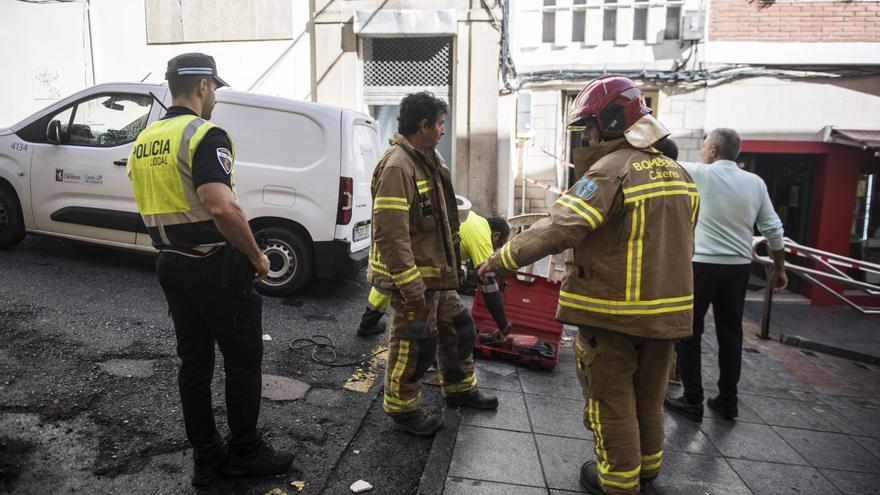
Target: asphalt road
column 88, row 395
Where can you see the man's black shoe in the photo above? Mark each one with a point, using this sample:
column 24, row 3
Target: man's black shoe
column 476, row 399
column 726, row 412
column 378, row 328
column 421, row 424
column 590, row 478
column 694, row 412
column 265, row 461
column 206, row 467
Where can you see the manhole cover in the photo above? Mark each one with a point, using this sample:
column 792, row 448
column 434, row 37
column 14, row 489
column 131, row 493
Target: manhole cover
column 281, row 388
column 129, row 368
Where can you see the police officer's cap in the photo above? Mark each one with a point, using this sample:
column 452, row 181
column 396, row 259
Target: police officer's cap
column 193, row 64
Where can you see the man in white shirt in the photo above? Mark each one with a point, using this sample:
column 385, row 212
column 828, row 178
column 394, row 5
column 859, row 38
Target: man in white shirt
column 732, row 202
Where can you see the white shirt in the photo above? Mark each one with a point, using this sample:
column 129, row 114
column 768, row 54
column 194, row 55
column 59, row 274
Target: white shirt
column 732, row 201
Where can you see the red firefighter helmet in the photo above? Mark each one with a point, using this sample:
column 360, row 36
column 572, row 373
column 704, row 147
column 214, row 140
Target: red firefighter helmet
column 614, row 101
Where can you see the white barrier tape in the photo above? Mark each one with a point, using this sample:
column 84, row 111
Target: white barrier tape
column 553, row 189
column 551, row 155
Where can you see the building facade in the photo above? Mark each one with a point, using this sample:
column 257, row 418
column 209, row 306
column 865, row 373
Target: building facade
column 800, row 81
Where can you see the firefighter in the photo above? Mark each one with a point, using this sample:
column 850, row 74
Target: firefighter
column 479, row 238
column 630, row 219
column 414, row 257
column 181, row 169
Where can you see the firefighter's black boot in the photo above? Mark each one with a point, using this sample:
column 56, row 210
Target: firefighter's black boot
column 476, row 399
column 370, row 324
column 420, row 424
column 590, row 478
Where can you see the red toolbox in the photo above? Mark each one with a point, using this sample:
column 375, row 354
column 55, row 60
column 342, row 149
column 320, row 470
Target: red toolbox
column 530, row 305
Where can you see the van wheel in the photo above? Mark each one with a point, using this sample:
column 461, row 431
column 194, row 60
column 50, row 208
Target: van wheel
column 290, row 262
column 11, row 222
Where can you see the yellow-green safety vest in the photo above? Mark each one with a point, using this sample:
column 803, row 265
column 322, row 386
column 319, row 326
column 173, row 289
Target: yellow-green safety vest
column 160, row 170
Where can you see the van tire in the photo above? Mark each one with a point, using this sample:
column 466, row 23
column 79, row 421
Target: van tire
column 291, row 263
column 11, row 221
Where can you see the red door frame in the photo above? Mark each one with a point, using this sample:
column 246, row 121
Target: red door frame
column 834, row 195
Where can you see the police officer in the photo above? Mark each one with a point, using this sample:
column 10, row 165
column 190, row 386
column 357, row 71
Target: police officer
column 479, row 238
column 630, row 219
column 413, row 255
column 181, row 169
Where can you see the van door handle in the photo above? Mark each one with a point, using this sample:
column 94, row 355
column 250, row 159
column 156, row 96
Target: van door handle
column 121, row 163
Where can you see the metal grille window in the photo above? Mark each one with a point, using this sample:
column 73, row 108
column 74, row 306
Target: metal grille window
column 395, row 67
column 408, row 61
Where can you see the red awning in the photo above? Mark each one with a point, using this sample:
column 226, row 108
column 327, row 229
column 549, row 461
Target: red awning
column 860, row 138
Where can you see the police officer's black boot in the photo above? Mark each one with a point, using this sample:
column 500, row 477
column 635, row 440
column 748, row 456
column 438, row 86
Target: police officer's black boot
column 476, row 399
column 206, row 465
column 420, row 424
column 370, row 324
column 590, row 478
column 264, row 461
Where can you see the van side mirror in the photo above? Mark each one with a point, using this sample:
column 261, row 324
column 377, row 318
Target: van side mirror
column 53, row 132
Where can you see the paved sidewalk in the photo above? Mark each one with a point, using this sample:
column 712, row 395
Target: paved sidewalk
column 797, row 432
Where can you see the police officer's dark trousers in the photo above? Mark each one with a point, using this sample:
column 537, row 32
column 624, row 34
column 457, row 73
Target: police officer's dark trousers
column 205, row 312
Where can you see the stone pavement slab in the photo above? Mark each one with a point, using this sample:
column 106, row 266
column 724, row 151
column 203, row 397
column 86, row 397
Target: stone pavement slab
column 510, row 415
column 853, row 483
column 461, row 486
column 749, row 441
column 562, row 459
column 812, row 415
column 690, row 474
column 553, row 416
column 768, row 478
column 830, row 450
column 496, row 455
column 683, row 435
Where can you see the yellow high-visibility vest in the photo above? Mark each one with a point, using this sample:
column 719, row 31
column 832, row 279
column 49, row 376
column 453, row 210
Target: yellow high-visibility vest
column 160, row 170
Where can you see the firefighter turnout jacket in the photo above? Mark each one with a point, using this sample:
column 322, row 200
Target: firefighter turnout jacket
column 630, row 221
column 415, row 223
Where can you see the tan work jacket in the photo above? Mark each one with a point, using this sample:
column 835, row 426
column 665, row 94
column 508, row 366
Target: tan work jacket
column 415, row 222
column 630, row 219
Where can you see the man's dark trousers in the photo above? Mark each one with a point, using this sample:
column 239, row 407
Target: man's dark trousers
column 204, row 312
column 724, row 287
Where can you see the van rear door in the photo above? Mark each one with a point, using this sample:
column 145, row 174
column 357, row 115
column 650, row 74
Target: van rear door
column 362, row 149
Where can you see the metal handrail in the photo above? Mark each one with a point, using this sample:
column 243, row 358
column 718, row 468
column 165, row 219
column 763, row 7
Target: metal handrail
column 830, row 261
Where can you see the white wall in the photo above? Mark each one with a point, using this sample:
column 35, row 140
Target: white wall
column 121, row 52
column 770, row 108
column 44, row 49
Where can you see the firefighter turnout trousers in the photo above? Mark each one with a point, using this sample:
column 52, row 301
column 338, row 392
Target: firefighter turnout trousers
column 624, row 381
column 443, row 330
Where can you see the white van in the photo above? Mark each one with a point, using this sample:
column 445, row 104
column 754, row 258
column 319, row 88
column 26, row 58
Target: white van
column 302, row 175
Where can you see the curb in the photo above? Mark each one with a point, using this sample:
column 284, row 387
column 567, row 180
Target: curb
column 433, row 477
column 798, row 341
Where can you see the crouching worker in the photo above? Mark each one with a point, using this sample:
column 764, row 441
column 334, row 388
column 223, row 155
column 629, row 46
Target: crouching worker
column 479, row 238
column 413, row 256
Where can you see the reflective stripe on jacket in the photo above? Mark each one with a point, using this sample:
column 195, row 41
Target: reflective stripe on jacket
column 630, row 221
column 413, row 228
column 160, row 170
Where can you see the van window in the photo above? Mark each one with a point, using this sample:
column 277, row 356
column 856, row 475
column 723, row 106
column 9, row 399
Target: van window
column 366, row 149
column 264, row 136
